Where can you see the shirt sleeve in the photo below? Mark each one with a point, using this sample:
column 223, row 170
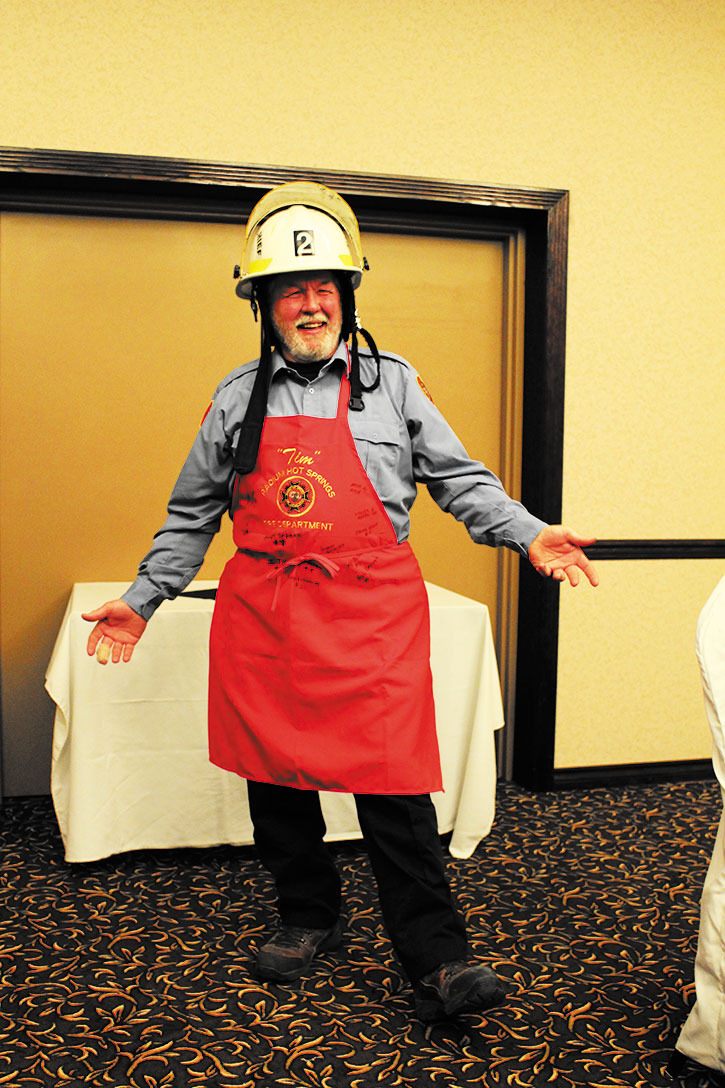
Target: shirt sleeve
column 199, row 500
column 461, row 486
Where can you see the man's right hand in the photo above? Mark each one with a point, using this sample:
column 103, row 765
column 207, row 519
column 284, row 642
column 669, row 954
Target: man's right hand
column 118, row 629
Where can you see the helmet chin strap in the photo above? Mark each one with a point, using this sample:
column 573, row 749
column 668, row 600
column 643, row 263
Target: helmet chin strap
column 356, row 386
column 351, row 326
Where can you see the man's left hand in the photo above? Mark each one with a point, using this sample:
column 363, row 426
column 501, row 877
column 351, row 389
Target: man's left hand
column 557, row 553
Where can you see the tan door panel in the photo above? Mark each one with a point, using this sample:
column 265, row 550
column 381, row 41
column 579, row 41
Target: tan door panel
column 114, row 336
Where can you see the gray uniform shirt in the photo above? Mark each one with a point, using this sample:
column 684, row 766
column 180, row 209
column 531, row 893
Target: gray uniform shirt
column 401, row 437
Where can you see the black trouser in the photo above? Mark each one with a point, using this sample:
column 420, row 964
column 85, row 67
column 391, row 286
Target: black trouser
column 401, row 836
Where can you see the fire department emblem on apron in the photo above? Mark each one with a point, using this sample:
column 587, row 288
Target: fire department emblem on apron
column 295, row 496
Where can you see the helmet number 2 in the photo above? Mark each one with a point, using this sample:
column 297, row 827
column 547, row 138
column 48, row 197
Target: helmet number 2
column 304, row 243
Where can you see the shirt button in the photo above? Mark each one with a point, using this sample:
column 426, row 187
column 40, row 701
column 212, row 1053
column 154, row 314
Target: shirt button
column 309, row 390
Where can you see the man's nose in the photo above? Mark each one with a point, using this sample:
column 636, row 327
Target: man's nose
column 311, row 301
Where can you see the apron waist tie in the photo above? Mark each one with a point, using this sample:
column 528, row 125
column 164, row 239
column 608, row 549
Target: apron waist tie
column 286, row 566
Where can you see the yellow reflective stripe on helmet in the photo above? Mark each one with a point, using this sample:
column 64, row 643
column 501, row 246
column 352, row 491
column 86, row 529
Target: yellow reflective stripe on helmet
column 261, row 264
column 345, row 258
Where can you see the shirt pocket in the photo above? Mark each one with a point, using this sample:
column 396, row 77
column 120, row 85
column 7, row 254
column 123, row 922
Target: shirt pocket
column 378, row 443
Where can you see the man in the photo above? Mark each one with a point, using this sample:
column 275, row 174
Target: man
column 319, row 650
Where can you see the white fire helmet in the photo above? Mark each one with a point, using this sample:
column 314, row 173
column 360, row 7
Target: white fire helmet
column 300, row 227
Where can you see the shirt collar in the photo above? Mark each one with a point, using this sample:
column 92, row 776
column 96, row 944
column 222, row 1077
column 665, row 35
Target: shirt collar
column 279, row 366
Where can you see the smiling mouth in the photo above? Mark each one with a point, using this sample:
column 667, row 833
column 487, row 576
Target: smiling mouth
column 312, row 326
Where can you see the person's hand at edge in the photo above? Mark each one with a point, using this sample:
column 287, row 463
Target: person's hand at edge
column 118, row 629
column 557, row 553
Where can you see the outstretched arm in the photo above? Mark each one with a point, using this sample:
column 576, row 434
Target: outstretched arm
column 118, row 629
column 557, row 553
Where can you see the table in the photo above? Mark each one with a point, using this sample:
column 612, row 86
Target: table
column 129, row 764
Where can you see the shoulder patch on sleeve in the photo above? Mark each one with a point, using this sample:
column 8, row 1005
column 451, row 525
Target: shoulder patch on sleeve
column 425, row 389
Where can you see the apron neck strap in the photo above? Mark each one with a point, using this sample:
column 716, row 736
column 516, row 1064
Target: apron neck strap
column 344, row 395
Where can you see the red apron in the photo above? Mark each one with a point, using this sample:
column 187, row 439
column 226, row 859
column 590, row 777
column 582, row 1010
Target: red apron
column 320, row 646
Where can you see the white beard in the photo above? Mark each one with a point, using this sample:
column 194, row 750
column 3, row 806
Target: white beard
column 301, row 348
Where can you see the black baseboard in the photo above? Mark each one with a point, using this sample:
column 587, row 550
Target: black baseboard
column 631, row 774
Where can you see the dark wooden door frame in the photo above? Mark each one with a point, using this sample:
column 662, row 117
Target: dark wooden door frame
column 81, row 183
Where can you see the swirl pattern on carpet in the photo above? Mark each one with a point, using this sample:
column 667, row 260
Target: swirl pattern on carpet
column 135, row 972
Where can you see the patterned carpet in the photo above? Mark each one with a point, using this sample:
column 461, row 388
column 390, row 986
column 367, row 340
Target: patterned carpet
column 134, row 972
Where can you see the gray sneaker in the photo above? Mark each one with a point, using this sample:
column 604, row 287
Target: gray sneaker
column 455, row 987
column 290, row 951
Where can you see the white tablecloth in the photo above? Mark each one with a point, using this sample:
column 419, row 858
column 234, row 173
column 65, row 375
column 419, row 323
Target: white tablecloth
column 130, row 768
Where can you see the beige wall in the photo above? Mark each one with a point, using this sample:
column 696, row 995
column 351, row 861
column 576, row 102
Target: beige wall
column 620, row 103
column 631, row 689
